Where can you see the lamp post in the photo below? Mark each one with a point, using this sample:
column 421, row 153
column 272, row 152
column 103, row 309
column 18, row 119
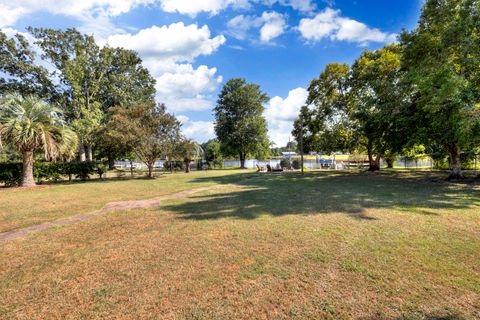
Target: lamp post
column 301, row 142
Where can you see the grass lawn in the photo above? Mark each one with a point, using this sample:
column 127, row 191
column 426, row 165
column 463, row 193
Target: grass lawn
column 23, row 208
column 330, row 245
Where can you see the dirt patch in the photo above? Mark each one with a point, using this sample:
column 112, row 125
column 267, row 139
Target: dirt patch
column 3, row 188
column 109, row 207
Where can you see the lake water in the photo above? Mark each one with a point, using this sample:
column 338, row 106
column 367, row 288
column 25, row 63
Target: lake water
column 310, row 164
column 250, row 164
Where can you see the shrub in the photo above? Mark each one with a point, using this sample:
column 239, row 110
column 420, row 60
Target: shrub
column 215, row 164
column 101, row 169
column 11, row 173
column 285, row 163
column 296, row 164
column 81, row 170
column 47, row 171
column 175, row 165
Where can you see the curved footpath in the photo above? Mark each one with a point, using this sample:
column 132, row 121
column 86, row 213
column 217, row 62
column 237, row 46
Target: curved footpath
column 109, row 207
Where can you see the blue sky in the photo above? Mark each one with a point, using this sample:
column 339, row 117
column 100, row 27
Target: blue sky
column 193, row 46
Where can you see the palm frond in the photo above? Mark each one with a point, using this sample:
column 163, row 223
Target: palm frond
column 29, row 123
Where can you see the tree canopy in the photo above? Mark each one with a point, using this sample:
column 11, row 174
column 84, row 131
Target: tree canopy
column 442, row 64
column 423, row 92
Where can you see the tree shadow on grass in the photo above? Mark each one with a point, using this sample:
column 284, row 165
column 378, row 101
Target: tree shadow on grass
column 248, row 196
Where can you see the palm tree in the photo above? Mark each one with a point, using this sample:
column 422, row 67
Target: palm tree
column 29, row 124
column 189, row 150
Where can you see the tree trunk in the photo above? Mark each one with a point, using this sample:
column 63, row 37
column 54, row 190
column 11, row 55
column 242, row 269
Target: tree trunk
column 131, row 168
column 150, row 170
column 390, row 161
column 389, row 164
column 187, row 166
column 373, row 163
column 242, row 161
column 81, row 152
column 111, row 163
column 89, row 153
column 27, row 172
column 378, row 161
column 456, row 163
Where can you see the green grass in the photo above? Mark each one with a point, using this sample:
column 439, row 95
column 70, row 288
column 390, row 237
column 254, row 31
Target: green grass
column 330, row 245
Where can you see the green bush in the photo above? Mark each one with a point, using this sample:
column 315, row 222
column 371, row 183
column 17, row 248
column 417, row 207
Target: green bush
column 83, row 170
column 47, row 171
column 176, row 165
column 215, row 164
column 11, row 173
column 79, row 170
column 101, row 170
column 285, row 163
column 296, row 164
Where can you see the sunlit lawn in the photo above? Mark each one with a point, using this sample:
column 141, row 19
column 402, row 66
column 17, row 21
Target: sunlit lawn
column 326, row 246
column 22, row 208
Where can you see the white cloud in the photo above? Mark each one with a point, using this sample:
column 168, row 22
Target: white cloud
column 300, row 5
column 271, row 24
column 201, row 131
column 239, row 26
column 89, row 11
column 274, row 26
column 329, row 23
column 319, row 27
column 11, row 11
column 187, row 80
column 194, row 7
column 183, row 87
column 164, row 50
column 280, row 114
column 101, row 27
column 10, row 14
column 176, row 42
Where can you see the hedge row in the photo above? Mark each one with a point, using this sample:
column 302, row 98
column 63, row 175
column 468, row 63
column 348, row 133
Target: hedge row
column 11, row 172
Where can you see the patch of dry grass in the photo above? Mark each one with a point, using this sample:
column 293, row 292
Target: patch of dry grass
column 22, row 208
column 327, row 246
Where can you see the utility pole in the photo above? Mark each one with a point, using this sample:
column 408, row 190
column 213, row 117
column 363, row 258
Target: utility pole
column 301, row 142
